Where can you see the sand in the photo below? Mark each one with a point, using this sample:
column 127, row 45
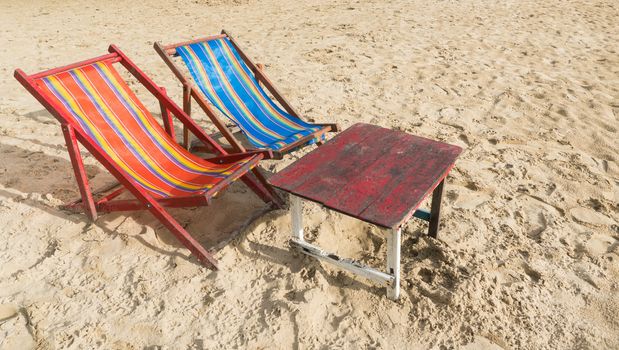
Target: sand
column 529, row 246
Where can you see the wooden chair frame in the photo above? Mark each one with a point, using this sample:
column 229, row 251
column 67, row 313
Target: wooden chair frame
column 167, row 52
column 144, row 201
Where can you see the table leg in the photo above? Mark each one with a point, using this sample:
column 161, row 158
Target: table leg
column 393, row 263
column 296, row 210
column 435, row 211
column 391, row 279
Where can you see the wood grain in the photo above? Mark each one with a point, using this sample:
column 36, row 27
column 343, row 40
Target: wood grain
column 371, row 173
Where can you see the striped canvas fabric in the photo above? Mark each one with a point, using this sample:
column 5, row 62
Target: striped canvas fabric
column 102, row 104
column 229, row 85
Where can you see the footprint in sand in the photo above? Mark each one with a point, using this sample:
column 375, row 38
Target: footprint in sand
column 7, row 311
column 590, row 216
column 599, row 244
column 468, row 199
column 18, row 335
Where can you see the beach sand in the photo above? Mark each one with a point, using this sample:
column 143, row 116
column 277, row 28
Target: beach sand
column 528, row 255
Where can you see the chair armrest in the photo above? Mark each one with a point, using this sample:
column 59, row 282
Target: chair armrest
column 334, row 127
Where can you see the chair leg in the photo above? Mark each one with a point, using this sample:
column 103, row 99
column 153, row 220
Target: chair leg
column 168, row 123
column 151, row 204
column 187, row 110
column 255, row 186
column 270, row 192
column 88, row 202
column 180, row 233
column 435, row 210
column 277, row 199
column 393, row 263
column 78, row 204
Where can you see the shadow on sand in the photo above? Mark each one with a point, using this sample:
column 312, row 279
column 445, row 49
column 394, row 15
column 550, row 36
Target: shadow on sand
column 31, row 172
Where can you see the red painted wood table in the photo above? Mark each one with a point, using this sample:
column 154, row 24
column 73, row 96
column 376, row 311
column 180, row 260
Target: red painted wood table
column 374, row 174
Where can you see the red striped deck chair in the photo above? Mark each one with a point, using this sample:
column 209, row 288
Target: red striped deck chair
column 96, row 107
column 231, row 83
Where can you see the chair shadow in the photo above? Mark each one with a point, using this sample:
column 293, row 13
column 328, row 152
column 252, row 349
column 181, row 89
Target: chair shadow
column 41, row 116
column 31, row 172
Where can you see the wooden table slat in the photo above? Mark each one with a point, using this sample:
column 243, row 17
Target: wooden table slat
column 317, row 160
column 375, row 174
column 398, row 202
column 370, row 182
column 329, row 180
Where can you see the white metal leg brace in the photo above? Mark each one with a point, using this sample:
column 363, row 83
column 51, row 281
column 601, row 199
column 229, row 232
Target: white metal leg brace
column 391, row 279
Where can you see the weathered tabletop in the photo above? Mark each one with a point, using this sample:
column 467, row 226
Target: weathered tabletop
column 374, row 174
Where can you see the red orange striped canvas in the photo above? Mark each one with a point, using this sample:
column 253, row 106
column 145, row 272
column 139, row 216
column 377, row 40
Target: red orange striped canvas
column 108, row 111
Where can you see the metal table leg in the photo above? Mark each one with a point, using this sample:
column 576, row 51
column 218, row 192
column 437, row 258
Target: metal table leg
column 296, row 210
column 393, row 263
column 391, row 279
column 435, row 211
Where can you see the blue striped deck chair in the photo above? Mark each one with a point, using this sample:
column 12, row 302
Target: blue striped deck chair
column 232, row 85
